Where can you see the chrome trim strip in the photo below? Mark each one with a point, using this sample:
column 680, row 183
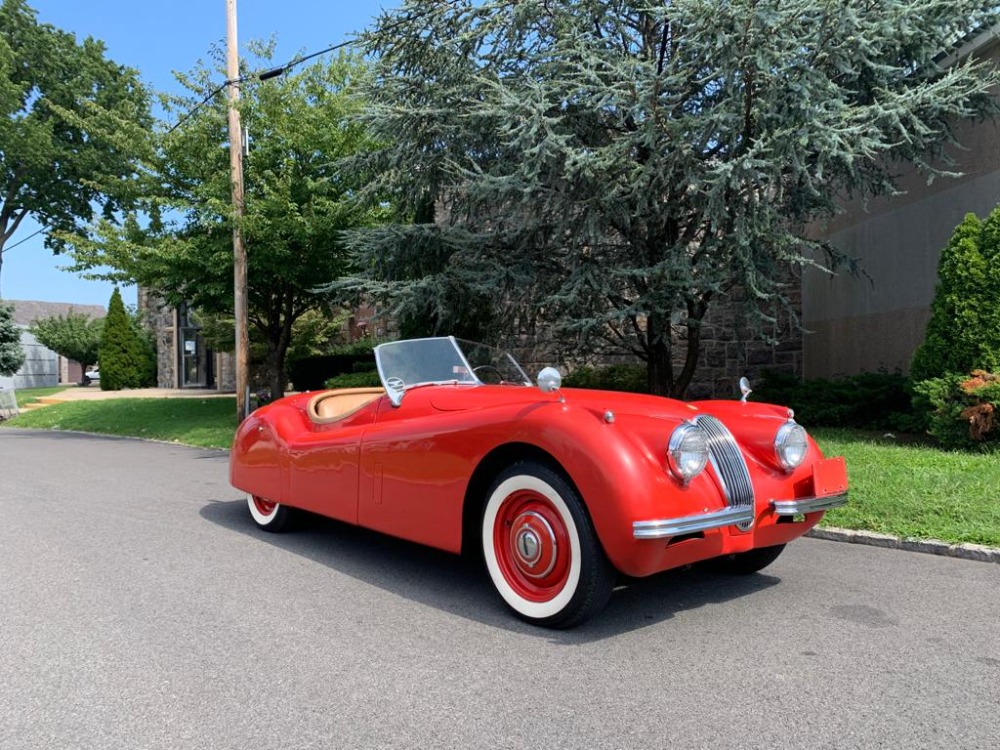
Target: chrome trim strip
column 808, row 504
column 667, row 527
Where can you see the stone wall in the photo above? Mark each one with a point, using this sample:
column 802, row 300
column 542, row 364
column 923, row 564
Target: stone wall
column 730, row 348
column 160, row 318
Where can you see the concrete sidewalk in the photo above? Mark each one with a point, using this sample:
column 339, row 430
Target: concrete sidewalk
column 94, row 393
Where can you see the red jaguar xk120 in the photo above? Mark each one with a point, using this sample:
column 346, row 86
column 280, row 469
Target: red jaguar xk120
column 560, row 490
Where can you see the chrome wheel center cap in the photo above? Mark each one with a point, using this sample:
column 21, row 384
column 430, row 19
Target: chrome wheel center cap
column 528, row 546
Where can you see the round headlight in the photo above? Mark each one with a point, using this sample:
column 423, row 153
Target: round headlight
column 687, row 452
column 790, row 445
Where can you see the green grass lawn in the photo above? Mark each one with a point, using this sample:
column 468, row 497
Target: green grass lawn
column 896, row 487
column 205, row 422
column 27, row 396
column 916, row 490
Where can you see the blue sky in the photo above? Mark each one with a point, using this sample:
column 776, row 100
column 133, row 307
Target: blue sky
column 157, row 38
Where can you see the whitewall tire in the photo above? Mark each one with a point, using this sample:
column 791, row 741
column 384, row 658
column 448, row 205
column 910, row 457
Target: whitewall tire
column 268, row 515
column 540, row 548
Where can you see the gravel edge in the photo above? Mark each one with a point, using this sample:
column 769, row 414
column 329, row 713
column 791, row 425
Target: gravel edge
column 977, row 552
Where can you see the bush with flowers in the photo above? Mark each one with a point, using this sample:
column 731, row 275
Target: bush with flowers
column 963, row 409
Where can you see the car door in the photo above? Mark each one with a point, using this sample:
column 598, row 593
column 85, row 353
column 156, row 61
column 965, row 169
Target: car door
column 323, row 466
column 415, row 464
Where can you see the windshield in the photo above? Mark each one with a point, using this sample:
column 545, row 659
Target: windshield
column 405, row 364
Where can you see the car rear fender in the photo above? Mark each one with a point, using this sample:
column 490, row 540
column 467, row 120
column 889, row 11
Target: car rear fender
column 259, row 459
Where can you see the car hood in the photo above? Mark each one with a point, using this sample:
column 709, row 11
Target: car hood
column 734, row 413
column 462, row 398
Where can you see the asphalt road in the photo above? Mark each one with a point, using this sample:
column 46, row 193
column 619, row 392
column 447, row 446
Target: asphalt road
column 140, row 608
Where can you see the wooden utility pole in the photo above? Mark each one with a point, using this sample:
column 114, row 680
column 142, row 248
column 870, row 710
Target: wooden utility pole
column 239, row 251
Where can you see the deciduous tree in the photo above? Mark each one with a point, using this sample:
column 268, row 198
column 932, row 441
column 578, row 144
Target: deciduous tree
column 622, row 166
column 75, row 336
column 71, row 121
column 297, row 202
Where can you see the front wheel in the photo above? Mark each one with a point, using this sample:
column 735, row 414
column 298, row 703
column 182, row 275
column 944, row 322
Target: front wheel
column 541, row 550
column 268, row 515
column 745, row 563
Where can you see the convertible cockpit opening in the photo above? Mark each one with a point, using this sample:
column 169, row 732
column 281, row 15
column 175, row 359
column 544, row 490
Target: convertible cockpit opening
column 328, row 407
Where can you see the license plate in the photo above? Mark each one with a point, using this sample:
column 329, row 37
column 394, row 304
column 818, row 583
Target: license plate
column 829, row 477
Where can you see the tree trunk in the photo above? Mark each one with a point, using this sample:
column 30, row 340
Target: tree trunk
column 659, row 359
column 276, row 368
column 279, row 337
column 660, row 377
column 696, row 313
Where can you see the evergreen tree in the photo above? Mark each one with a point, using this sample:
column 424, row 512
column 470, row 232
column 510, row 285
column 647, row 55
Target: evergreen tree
column 11, row 353
column 964, row 330
column 124, row 357
column 620, row 166
column 989, row 295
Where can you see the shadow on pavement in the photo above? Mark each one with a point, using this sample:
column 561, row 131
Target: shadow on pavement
column 460, row 586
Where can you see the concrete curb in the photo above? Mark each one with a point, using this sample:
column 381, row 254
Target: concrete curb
column 977, row 552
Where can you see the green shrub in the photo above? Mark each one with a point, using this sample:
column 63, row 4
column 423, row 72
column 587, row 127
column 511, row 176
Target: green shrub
column 310, row 373
column 362, row 347
column 964, row 330
column 963, row 409
column 365, row 365
column 870, row 401
column 613, row 378
column 354, row 380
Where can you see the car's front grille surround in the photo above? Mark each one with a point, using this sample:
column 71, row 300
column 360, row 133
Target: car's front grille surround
column 729, row 465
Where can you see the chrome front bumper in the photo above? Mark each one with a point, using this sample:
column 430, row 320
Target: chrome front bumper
column 665, row 527
column 808, row 504
column 668, row 527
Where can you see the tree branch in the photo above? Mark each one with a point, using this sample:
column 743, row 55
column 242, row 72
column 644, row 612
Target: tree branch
column 18, row 218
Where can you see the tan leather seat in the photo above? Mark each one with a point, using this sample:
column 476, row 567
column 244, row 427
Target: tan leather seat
column 331, row 406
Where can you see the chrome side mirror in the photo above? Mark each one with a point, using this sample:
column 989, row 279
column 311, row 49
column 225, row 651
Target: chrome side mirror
column 549, row 380
column 745, row 389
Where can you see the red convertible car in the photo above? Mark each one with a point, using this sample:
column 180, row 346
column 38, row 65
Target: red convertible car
column 560, row 489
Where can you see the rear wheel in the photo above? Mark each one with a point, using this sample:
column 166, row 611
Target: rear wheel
column 745, row 563
column 541, row 550
column 268, row 515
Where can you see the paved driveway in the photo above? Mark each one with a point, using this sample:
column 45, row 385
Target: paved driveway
column 139, row 608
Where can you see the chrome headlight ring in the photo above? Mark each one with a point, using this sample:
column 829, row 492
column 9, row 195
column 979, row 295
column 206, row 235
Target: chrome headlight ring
column 687, row 452
column 791, row 445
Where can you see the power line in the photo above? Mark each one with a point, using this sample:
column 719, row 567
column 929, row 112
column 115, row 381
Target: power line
column 266, row 75
column 21, row 242
column 194, row 110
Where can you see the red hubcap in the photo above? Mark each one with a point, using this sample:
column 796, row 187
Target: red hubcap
column 264, row 507
column 532, row 545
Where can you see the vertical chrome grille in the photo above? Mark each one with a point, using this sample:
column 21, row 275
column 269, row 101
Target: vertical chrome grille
column 728, row 463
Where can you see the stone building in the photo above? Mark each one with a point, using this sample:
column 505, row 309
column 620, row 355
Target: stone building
column 183, row 357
